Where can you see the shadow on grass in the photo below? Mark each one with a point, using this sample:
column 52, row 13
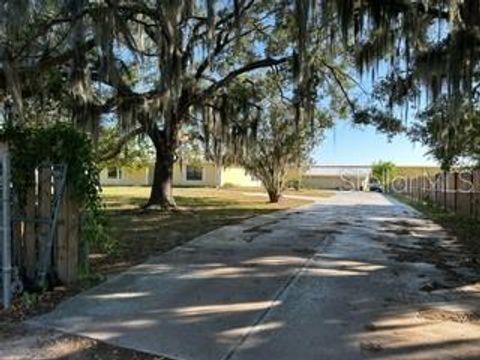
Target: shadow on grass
column 182, row 201
column 140, row 234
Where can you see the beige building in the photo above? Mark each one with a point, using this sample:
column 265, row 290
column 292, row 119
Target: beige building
column 206, row 174
column 353, row 177
column 337, row 177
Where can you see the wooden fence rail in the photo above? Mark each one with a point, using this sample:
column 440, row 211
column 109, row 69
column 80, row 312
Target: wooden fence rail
column 32, row 222
column 458, row 192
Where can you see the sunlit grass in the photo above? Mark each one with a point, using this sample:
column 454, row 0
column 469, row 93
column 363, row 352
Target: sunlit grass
column 302, row 192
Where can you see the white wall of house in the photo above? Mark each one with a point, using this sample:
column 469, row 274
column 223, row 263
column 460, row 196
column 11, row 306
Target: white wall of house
column 116, row 176
column 237, row 176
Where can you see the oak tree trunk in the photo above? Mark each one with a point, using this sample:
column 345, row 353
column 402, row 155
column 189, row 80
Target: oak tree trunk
column 274, row 195
column 161, row 196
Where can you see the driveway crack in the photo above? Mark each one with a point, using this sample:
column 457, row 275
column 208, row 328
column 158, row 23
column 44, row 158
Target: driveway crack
column 281, row 293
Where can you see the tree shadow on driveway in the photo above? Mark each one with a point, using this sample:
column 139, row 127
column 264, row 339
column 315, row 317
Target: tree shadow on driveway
column 295, row 291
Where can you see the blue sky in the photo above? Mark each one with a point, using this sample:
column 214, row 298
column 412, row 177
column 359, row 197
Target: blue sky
column 348, row 144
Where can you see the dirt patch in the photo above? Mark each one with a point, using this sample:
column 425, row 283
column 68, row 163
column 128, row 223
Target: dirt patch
column 431, row 246
column 463, row 230
column 39, row 303
column 448, row 315
column 401, row 227
column 21, row 342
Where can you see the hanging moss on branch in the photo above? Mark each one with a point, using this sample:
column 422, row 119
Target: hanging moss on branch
column 32, row 147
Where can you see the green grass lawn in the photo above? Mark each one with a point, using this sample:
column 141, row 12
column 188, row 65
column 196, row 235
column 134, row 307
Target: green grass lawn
column 139, row 234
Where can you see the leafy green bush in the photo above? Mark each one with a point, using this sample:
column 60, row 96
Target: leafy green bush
column 294, row 184
column 34, row 146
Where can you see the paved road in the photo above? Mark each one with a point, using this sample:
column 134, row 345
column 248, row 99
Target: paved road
column 350, row 277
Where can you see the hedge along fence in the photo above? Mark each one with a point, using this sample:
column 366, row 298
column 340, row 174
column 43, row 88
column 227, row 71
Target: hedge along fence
column 55, row 217
column 458, row 192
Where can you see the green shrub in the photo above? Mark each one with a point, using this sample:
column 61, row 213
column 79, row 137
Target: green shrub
column 294, row 184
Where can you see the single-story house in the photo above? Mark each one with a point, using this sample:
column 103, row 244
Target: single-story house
column 204, row 174
column 337, row 177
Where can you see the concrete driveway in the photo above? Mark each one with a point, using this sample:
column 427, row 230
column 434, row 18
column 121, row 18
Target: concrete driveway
column 354, row 276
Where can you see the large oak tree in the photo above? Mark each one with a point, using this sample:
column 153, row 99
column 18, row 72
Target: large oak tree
column 152, row 65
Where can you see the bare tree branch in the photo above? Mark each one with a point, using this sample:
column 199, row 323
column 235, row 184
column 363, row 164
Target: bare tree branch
column 333, row 71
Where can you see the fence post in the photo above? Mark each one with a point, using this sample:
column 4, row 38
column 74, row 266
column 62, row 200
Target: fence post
column 472, row 192
column 417, row 188
column 475, row 193
column 73, row 239
column 29, row 236
column 44, row 207
column 445, row 179
column 455, row 189
column 61, row 253
column 414, row 188
column 409, row 186
column 421, row 188
column 67, row 243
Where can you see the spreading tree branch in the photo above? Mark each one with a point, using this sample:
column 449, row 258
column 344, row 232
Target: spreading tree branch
column 120, row 144
column 267, row 62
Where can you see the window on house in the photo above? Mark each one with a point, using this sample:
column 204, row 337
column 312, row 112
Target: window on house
column 114, row 173
column 252, row 177
column 194, row 173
